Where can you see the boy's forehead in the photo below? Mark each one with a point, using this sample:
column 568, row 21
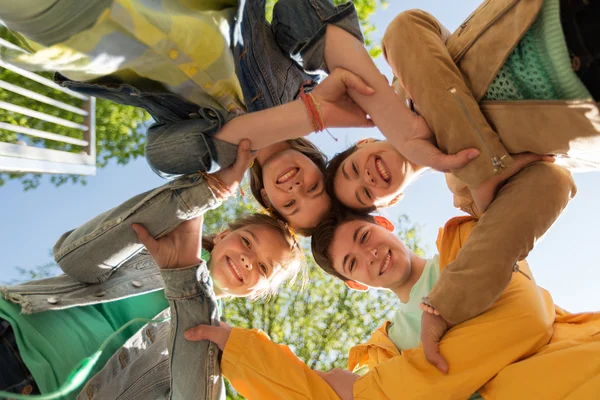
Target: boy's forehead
column 343, row 235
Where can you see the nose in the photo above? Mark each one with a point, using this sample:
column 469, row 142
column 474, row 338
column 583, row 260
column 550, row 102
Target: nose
column 246, row 262
column 295, row 186
column 369, row 178
column 372, row 255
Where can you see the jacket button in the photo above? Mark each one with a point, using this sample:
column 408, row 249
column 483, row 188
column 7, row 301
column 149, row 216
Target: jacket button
column 173, row 54
column 194, row 115
column 100, row 293
column 212, row 113
column 136, row 284
column 205, row 276
column 52, row 300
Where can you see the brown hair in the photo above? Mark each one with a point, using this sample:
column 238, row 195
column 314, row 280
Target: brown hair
column 323, row 237
column 292, row 266
column 305, row 147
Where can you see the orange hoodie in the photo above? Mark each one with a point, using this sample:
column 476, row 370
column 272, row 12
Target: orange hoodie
column 518, row 325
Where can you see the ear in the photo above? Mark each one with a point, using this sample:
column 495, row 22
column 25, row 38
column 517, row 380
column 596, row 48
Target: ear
column 357, row 286
column 221, row 236
column 265, row 198
column 364, row 141
column 396, row 199
column 386, row 223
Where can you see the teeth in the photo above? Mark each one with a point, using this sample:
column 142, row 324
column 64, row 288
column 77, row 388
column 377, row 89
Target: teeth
column 381, row 169
column 386, row 263
column 237, row 271
column 288, row 175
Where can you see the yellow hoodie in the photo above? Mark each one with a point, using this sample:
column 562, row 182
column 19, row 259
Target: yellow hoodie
column 484, row 353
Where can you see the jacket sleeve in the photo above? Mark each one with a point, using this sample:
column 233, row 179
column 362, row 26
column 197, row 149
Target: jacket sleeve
column 188, row 147
column 194, row 366
column 523, row 210
column 93, row 251
column 414, row 47
column 516, row 326
column 259, row 369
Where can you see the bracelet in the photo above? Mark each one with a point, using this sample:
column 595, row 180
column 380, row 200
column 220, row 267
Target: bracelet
column 313, row 108
column 217, row 185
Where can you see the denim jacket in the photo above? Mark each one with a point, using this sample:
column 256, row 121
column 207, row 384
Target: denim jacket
column 142, row 368
column 181, row 141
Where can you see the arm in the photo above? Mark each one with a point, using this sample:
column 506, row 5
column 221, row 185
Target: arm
column 414, row 47
column 93, row 251
column 209, row 147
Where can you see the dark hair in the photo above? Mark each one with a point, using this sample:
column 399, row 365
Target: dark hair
column 323, row 236
column 305, row 147
column 292, row 266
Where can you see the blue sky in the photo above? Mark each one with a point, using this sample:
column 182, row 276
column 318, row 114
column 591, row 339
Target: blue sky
column 32, row 221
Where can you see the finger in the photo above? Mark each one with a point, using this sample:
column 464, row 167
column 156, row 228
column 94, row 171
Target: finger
column 145, row 238
column 431, row 348
column 444, row 162
column 206, row 332
column 244, row 156
column 354, row 82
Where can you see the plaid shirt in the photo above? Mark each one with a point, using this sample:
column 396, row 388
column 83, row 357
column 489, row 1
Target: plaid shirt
column 180, row 43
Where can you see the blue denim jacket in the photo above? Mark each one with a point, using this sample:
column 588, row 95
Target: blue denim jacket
column 181, row 141
column 142, row 368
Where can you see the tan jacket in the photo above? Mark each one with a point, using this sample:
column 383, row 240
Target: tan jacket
column 445, row 76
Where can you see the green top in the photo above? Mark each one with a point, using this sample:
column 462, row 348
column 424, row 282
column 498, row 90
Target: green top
column 405, row 329
column 539, row 67
column 52, row 343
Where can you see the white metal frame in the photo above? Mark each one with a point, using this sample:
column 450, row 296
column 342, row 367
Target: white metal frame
column 23, row 158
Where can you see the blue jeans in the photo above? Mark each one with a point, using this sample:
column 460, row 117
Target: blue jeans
column 14, row 375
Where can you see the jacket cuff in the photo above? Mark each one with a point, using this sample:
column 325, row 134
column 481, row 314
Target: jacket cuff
column 181, row 283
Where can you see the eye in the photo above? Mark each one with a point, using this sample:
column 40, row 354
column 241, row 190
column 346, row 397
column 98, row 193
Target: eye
column 368, row 194
column 313, row 187
column 264, row 269
column 355, row 169
column 289, row 204
column 352, row 265
column 246, row 242
column 364, row 237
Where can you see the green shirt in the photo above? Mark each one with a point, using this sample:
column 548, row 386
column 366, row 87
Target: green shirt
column 52, row 343
column 405, row 329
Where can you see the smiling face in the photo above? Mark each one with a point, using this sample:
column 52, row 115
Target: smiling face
column 373, row 176
column 244, row 261
column 294, row 187
column 370, row 254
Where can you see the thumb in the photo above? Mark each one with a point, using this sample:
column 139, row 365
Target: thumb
column 354, row 82
column 145, row 238
column 445, row 162
column 244, row 156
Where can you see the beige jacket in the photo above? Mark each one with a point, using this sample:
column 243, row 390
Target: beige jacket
column 445, row 76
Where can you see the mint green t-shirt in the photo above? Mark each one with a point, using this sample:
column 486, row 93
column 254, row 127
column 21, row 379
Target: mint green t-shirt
column 52, row 343
column 405, row 329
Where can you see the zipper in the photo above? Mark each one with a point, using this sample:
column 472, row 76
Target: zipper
column 491, row 22
column 516, row 269
column 497, row 162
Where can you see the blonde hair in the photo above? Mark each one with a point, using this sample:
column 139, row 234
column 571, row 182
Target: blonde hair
column 291, row 266
column 305, row 147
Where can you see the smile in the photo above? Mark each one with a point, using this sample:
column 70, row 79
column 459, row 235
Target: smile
column 234, row 269
column 386, row 263
column 287, row 175
column 382, row 169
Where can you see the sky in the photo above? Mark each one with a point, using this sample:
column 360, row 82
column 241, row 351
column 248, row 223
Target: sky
column 31, row 222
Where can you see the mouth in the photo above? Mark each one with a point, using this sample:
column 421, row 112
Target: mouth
column 287, row 175
column 386, row 263
column 382, row 169
column 234, row 269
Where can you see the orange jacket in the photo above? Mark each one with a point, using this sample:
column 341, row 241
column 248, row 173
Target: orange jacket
column 518, row 326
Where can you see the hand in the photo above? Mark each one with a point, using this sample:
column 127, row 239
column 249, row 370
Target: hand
column 219, row 335
column 180, row 248
column 338, row 109
column 341, row 381
column 433, row 327
column 420, row 148
column 485, row 193
column 233, row 175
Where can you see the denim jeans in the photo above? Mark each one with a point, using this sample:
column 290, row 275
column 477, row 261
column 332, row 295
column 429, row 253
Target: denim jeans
column 581, row 25
column 14, row 375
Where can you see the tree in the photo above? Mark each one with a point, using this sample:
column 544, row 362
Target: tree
column 120, row 130
column 320, row 320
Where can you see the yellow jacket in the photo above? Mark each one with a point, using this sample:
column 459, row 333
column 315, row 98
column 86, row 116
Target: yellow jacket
column 488, row 348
